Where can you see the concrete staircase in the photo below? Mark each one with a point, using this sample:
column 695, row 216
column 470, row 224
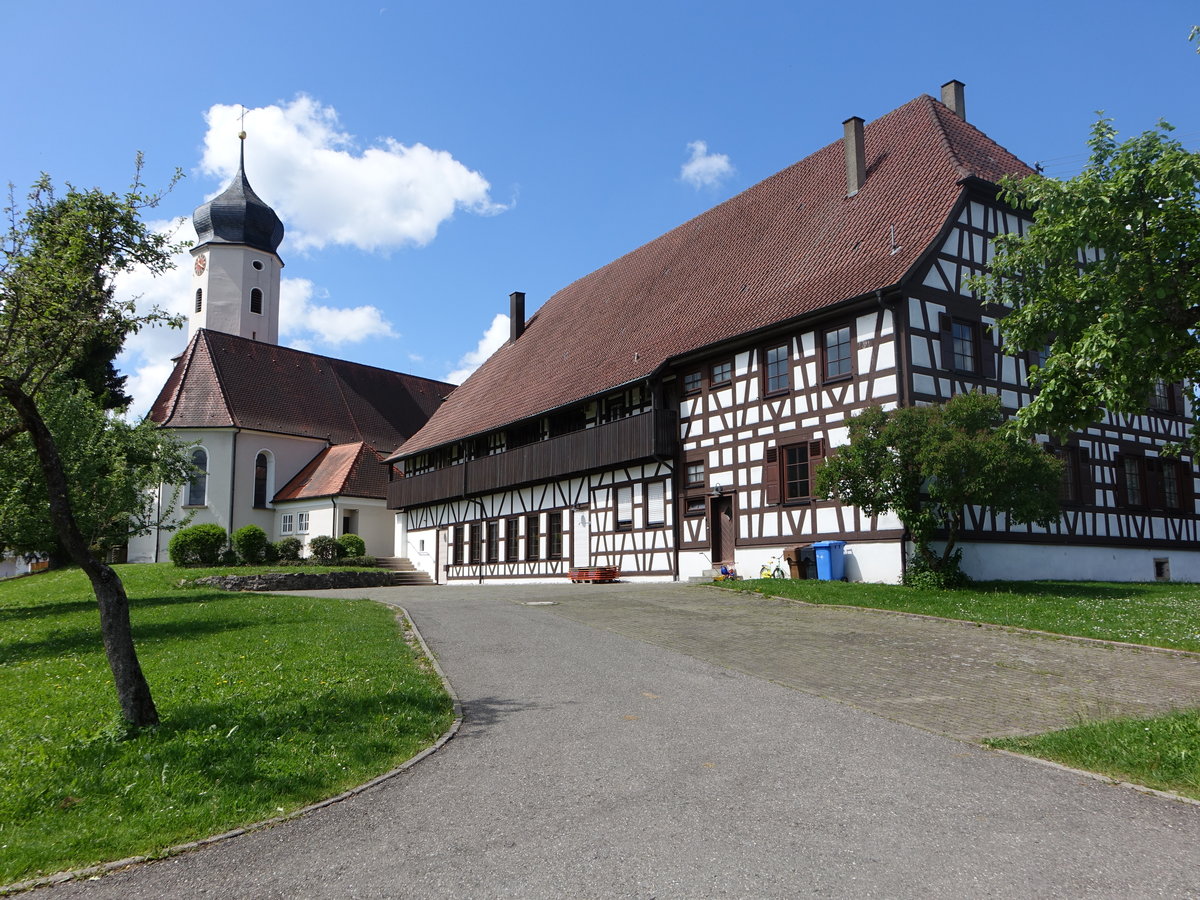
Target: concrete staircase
column 405, row 573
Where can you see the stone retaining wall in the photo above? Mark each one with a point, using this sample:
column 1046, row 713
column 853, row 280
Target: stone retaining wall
column 298, row 581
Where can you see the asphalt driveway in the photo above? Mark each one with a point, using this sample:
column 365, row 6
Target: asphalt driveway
column 593, row 763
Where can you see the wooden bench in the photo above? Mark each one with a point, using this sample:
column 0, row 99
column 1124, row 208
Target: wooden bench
column 595, row 574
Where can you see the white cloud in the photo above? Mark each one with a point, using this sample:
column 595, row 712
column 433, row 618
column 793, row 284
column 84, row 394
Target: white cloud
column 705, row 169
column 493, row 339
column 329, row 191
column 305, row 322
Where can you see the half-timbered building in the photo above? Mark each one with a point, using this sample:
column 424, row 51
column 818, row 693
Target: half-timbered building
column 666, row 413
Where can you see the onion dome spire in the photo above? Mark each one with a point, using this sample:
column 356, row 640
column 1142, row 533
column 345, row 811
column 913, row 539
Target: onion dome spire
column 238, row 215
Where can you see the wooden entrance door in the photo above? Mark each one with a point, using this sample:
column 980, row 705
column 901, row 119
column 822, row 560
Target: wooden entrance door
column 722, row 530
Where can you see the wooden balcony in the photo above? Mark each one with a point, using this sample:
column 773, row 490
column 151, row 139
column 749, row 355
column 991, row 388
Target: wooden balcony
column 650, row 435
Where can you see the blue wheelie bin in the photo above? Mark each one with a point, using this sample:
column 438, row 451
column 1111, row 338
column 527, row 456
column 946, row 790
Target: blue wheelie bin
column 831, row 564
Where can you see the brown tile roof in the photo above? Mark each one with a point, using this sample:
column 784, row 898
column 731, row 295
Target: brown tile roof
column 225, row 380
column 789, row 245
column 343, row 470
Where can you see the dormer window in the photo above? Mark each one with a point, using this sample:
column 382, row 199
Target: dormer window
column 256, row 301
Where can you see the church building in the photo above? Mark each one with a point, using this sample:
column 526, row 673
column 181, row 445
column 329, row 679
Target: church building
column 287, row 440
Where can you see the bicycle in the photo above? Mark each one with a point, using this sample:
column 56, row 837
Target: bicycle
column 771, row 569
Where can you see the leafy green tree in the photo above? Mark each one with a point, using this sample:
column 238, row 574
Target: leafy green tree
column 112, row 467
column 59, row 257
column 1107, row 278
column 927, row 464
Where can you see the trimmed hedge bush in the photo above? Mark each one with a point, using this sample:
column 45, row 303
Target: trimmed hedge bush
column 325, row 549
column 363, row 562
column 197, row 545
column 352, row 545
column 251, row 544
column 289, row 549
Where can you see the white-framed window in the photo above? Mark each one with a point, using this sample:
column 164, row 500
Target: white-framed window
column 656, row 503
column 302, row 523
column 624, row 508
column 197, row 491
column 287, row 523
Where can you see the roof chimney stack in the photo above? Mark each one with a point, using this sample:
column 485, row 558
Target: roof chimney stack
column 856, row 155
column 952, row 98
column 516, row 314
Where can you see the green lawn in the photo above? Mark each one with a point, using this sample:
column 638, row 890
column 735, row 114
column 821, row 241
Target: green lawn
column 1161, row 614
column 268, row 703
column 1162, row 753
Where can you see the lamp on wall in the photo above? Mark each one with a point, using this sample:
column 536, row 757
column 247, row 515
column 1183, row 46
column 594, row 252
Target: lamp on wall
column 718, row 490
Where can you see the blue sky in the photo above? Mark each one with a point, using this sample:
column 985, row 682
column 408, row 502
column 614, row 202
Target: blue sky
column 430, row 158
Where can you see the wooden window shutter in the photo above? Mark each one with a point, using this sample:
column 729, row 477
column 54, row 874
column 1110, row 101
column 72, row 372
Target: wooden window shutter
column 987, row 352
column 1175, row 393
column 1187, row 499
column 1087, row 485
column 1119, row 470
column 1155, row 496
column 946, row 332
column 771, row 476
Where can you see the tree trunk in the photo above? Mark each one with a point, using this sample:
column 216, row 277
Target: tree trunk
column 133, row 693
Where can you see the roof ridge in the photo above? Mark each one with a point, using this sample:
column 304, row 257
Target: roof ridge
column 932, row 105
column 217, row 371
column 332, row 360
column 190, row 352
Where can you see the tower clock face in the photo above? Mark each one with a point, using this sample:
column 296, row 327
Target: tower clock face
column 201, row 264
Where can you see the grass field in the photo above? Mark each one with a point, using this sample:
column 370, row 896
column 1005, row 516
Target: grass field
column 268, row 703
column 1161, row 614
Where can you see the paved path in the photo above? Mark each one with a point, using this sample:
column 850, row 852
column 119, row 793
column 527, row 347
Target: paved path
column 594, row 765
column 954, row 679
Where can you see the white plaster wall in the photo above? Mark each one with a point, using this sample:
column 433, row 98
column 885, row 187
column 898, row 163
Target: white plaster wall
column 1026, row 562
column 376, row 524
column 422, row 550
column 227, row 281
column 290, row 455
column 876, row 561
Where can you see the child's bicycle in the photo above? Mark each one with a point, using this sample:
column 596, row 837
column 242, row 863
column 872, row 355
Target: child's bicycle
column 771, row 569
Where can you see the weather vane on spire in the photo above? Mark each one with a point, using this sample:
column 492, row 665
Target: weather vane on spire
column 242, row 133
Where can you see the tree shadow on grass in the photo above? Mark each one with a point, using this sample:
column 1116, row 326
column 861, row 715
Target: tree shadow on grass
column 66, row 642
column 41, row 610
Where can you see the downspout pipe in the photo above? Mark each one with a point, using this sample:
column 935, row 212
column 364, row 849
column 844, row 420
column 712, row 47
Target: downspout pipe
column 232, row 482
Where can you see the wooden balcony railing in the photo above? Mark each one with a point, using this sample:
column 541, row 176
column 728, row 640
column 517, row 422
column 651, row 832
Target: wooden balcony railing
column 649, row 435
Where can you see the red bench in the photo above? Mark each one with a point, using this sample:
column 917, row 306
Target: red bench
column 595, row 574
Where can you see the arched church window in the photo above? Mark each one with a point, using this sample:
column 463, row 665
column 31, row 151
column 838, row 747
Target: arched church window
column 199, row 299
column 198, row 486
column 261, row 466
column 256, row 301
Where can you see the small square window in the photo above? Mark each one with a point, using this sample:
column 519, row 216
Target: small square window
column 287, row 523
column 691, row 383
column 776, row 367
column 838, row 359
column 695, row 474
column 302, row 523
column 722, row 373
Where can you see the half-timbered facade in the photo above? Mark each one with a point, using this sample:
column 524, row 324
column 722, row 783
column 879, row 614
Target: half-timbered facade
column 667, row 413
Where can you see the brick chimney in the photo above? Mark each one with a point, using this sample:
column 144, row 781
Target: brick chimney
column 856, row 155
column 952, row 98
column 516, row 314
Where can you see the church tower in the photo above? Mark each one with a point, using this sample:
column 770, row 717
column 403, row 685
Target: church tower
column 235, row 285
